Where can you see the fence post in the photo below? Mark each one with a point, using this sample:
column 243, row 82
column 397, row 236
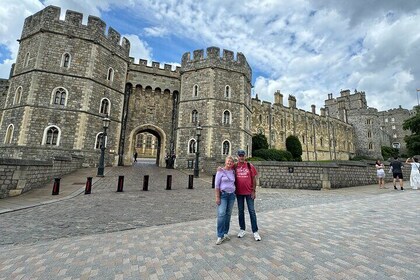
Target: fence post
column 146, row 183
column 169, row 182
column 56, row 186
column 88, row 188
column 120, row 183
column 190, row 182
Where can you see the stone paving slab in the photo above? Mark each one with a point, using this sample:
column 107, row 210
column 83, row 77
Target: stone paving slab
column 370, row 238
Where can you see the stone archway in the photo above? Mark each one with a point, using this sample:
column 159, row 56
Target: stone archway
column 160, row 143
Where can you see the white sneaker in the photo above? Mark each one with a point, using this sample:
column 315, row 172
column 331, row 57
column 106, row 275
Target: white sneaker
column 257, row 236
column 241, row 233
column 226, row 237
column 219, row 241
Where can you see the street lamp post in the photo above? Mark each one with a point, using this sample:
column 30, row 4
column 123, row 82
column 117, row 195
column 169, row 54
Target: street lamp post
column 197, row 152
column 101, row 166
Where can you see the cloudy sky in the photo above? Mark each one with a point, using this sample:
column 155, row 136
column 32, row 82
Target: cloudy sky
column 300, row 48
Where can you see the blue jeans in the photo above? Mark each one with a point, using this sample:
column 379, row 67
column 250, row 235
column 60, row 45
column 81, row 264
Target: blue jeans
column 224, row 212
column 241, row 209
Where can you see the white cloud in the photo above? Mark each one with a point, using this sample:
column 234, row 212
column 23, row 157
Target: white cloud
column 138, row 48
column 304, row 48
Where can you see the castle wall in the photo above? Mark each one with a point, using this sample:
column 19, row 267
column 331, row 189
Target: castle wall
column 322, row 137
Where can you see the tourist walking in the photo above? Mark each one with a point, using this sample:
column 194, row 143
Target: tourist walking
column 415, row 173
column 246, row 183
column 225, row 198
column 397, row 166
column 135, row 156
column 380, row 173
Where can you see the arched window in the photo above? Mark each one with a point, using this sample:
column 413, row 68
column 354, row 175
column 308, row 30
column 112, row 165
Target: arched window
column 226, row 148
column 59, row 96
column 195, row 90
column 227, row 91
column 194, row 116
column 110, row 75
column 247, row 122
column 321, row 142
column 26, row 61
column 260, row 118
column 105, row 106
column 18, row 95
column 51, row 136
column 226, row 117
column 65, row 60
column 369, row 134
column 192, row 147
column 370, row 146
column 303, row 139
column 9, row 134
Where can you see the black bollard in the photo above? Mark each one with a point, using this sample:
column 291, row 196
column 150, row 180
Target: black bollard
column 120, row 183
column 213, row 181
column 56, row 186
column 146, row 183
column 169, row 182
column 190, row 182
column 88, row 188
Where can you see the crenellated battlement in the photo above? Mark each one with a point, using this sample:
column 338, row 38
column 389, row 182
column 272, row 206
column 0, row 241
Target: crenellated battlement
column 48, row 19
column 155, row 68
column 212, row 59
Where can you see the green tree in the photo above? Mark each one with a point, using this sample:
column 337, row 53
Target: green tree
column 413, row 140
column 259, row 141
column 294, row 146
column 389, row 152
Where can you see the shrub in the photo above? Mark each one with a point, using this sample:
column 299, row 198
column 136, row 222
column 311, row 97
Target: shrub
column 273, row 154
column 259, row 141
column 294, row 146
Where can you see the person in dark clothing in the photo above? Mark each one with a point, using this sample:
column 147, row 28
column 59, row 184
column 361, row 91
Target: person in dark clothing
column 397, row 166
column 135, row 156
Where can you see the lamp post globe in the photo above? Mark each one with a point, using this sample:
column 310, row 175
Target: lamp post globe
column 197, row 152
column 101, row 166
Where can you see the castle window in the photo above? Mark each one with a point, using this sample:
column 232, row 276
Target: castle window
column 148, row 142
column 312, row 140
column 392, row 120
column 195, row 90
column 368, row 121
column 59, row 96
column 65, row 60
column 282, row 123
column 26, row 61
column 303, row 139
column 9, row 134
column 395, row 136
column 369, row 134
column 260, row 118
column 226, row 117
column 386, row 120
column 267, row 119
column 192, row 146
column 194, row 116
column 247, row 122
column 105, row 106
column 321, row 142
column 227, row 91
column 226, row 148
column 393, row 127
column 18, row 96
column 99, row 140
column 51, row 136
column 370, row 146
column 110, row 75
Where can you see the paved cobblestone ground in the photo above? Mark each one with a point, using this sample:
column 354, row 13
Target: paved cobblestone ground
column 351, row 233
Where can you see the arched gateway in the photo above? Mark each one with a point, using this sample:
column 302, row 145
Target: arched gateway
column 155, row 141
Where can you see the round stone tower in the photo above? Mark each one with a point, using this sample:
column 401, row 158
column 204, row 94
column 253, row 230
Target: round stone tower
column 67, row 77
column 216, row 94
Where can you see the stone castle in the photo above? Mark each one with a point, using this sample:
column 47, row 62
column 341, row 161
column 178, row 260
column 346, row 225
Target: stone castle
column 68, row 76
